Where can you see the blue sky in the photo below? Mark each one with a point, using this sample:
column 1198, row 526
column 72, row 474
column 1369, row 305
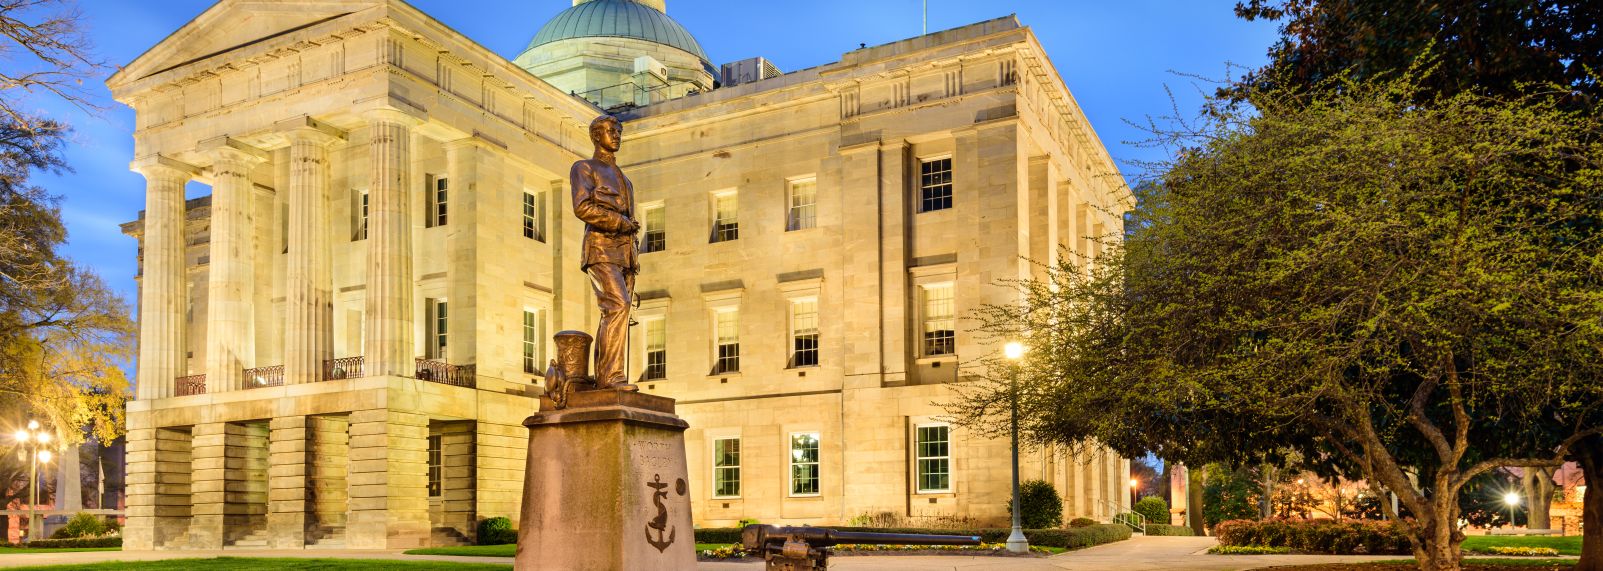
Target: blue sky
column 1119, row 59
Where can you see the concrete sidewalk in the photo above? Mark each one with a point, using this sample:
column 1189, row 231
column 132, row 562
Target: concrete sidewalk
column 1137, row 554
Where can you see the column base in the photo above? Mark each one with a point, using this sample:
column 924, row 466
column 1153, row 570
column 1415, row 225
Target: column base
column 606, row 486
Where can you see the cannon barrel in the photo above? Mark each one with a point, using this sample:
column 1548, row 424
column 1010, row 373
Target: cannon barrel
column 757, row 536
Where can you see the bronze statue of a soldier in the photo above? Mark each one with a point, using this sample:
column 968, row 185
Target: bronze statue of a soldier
column 605, row 200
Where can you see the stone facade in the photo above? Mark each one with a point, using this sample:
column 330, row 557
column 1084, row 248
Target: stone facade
column 340, row 339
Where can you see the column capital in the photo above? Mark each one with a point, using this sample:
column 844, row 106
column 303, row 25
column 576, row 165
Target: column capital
column 392, row 115
column 228, row 148
column 161, row 166
column 305, row 128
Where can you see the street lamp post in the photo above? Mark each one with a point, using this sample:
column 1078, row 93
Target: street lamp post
column 1016, row 542
column 34, row 442
column 1512, row 499
column 1135, row 488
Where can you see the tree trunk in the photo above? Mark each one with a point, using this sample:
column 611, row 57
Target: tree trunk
column 1436, row 537
column 1268, row 491
column 1589, row 452
column 1194, row 500
column 1538, row 484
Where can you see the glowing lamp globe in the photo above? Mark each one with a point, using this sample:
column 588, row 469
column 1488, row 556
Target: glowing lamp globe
column 1013, row 350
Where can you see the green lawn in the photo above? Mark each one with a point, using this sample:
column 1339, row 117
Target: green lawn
column 273, row 564
column 55, row 549
column 1565, row 545
column 507, row 550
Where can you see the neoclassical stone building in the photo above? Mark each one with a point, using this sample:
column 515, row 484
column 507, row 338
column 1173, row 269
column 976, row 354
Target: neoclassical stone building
column 340, row 338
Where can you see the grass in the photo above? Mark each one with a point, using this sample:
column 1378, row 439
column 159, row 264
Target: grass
column 55, row 549
column 1565, row 545
column 1478, row 564
column 272, row 563
column 507, row 550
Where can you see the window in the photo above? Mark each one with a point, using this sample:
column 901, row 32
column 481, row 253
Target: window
column 804, row 332
column 656, row 239
column 726, row 468
column 803, row 205
column 725, row 226
column 934, row 458
column 437, row 328
column 940, row 337
column 534, row 215
column 935, row 184
column 359, row 216
column 435, row 464
column 804, row 464
column 656, row 349
column 437, row 194
column 726, row 346
column 533, row 340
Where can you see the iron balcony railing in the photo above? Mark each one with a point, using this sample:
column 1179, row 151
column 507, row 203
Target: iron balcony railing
column 264, row 377
column 441, row 372
column 191, row 385
column 343, row 368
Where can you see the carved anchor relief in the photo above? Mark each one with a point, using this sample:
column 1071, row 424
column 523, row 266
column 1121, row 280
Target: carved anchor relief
column 660, row 523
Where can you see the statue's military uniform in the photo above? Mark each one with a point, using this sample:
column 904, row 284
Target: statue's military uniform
column 604, row 199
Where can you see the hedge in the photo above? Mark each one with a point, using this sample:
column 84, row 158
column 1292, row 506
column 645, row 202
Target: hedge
column 1166, row 529
column 1072, row 538
column 1317, row 536
column 496, row 531
column 73, row 543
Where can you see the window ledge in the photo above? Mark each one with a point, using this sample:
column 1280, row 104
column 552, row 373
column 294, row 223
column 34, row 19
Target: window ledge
column 936, row 359
column 936, row 493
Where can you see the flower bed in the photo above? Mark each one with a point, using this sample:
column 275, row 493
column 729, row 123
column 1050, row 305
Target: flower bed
column 1071, row 538
column 1520, row 551
column 1248, row 550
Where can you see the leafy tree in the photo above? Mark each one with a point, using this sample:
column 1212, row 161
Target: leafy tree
column 64, row 336
column 1489, row 47
column 1040, row 507
column 1402, row 293
column 1153, row 508
column 1229, row 494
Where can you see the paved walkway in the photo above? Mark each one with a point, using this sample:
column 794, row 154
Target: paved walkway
column 1136, row 554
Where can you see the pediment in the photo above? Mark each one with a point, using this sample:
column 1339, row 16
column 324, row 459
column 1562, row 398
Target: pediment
column 233, row 24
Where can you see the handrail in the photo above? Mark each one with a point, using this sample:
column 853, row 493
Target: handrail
column 190, row 385
column 1135, row 520
column 438, row 371
column 343, row 368
column 272, row 376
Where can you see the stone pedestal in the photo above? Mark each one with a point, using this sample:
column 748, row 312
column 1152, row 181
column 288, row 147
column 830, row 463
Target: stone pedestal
column 606, row 486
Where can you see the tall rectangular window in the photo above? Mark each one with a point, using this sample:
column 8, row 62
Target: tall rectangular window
column 656, row 232
column 934, row 458
column 804, row 464
column 935, row 184
column 940, row 335
column 437, row 187
column 804, row 332
column 437, row 328
column 533, row 340
column 534, row 215
column 359, row 216
column 726, row 468
column 436, row 464
column 726, row 345
column 803, row 205
column 656, row 349
column 725, row 225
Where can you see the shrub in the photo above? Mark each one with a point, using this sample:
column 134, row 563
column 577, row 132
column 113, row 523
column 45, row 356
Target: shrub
column 1522, row 551
column 74, row 543
column 82, row 524
column 1081, row 522
column 1248, row 550
column 1153, row 508
column 497, row 531
column 748, row 521
column 1166, row 529
column 1075, row 538
column 718, row 535
column 1039, row 505
column 1317, row 536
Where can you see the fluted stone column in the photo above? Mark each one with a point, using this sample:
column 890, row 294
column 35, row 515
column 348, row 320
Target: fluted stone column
column 161, row 292
column 309, row 306
column 231, row 281
column 387, row 330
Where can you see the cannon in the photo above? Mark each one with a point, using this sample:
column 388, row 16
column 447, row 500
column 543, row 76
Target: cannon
column 807, row 548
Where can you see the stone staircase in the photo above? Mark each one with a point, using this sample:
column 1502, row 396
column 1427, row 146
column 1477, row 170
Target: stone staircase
column 325, row 537
column 446, row 537
column 256, row 539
